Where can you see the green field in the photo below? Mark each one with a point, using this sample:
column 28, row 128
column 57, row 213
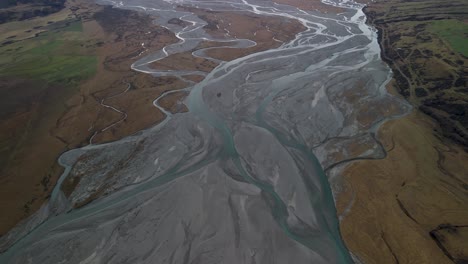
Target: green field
column 53, row 69
column 76, row 26
column 56, row 56
column 455, row 32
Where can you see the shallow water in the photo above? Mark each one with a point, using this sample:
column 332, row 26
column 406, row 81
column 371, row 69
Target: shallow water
column 240, row 177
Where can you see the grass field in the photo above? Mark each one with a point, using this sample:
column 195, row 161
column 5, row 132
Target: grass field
column 454, row 31
column 56, row 56
column 75, row 26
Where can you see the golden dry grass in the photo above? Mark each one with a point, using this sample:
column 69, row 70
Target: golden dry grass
column 399, row 200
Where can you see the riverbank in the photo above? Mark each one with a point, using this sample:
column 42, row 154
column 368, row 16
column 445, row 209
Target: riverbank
column 411, row 206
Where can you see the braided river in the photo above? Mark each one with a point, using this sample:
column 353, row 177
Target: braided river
column 246, row 175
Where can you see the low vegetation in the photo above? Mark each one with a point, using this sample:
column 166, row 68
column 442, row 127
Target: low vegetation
column 454, row 31
column 56, row 56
